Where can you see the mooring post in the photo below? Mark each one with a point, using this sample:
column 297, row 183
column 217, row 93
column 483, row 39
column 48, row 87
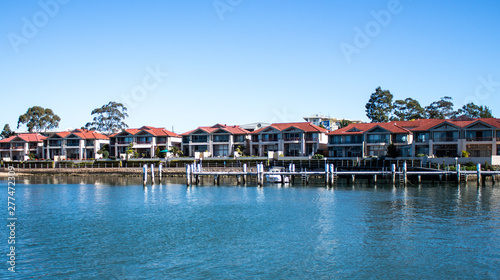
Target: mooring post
column 244, row 173
column 332, row 173
column 419, row 178
column 353, row 178
column 152, row 174
column 458, row 172
column 393, row 172
column 144, row 174
column 375, row 178
column 405, row 167
column 478, row 168
column 327, row 177
column 193, row 169
column 188, row 175
column 160, row 167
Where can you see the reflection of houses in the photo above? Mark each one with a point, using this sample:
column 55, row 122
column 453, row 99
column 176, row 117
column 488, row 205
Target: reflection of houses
column 430, row 137
column 218, row 140
column 290, row 139
column 19, row 147
column 145, row 141
column 77, row 144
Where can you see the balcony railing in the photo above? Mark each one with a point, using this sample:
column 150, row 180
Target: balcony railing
column 422, row 140
column 371, row 141
column 311, row 138
column 143, row 142
column 445, row 139
column 479, row 138
column 269, row 140
column 17, row 147
column 123, row 142
column 293, row 138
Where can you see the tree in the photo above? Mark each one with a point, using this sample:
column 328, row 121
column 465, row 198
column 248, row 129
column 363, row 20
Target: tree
column 472, row 110
column 6, row 132
column 39, row 119
column 109, row 118
column 408, row 109
column 176, row 151
column 344, row 123
column 379, row 106
column 393, row 151
column 442, row 109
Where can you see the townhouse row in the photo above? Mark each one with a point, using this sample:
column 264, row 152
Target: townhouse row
column 430, row 137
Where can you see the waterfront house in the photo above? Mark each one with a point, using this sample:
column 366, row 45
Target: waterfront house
column 19, row 147
column 144, row 140
column 78, row 144
column 289, row 139
column 480, row 138
column 217, row 140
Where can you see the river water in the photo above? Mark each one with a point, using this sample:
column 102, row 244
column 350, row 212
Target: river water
column 114, row 228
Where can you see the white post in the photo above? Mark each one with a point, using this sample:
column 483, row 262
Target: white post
column 160, row 167
column 152, row 174
column 145, row 174
column 478, row 168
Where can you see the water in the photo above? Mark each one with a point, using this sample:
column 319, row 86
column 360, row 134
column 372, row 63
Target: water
column 74, row 228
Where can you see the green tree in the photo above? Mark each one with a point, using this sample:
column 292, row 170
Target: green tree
column 6, row 132
column 109, row 118
column 472, row 110
column 408, row 109
column 344, row 123
column 39, row 119
column 176, row 151
column 393, row 151
column 379, row 106
column 442, row 109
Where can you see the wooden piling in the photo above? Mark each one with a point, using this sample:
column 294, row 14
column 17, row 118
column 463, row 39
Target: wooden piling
column 144, row 174
column 245, row 172
column 188, row 174
column 458, row 172
column 152, row 174
column 160, row 167
column 478, row 168
column 393, row 173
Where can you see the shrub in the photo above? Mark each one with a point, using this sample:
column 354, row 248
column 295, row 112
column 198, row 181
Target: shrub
column 318, row 156
column 465, row 154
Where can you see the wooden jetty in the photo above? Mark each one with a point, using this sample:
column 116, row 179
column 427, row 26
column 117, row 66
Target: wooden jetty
column 195, row 172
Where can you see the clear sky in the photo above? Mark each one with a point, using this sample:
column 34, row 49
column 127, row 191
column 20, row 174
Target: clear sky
column 196, row 63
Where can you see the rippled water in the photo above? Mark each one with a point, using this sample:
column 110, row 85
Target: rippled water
column 73, row 228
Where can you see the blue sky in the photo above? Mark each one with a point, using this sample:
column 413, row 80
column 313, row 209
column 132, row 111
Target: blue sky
column 195, row 63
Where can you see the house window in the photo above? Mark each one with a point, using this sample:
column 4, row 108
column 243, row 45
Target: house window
column 353, row 139
column 292, row 150
column 445, row 136
column 185, row 139
column 55, row 142
column 401, row 138
column 378, row 138
column 89, row 143
column 239, row 138
column 221, row 138
column 376, row 151
column 479, row 150
column 199, row 138
column 445, row 150
column 292, row 136
column 200, row 148
column 421, row 150
column 221, row 150
column 422, row 137
column 336, row 139
column 335, row 152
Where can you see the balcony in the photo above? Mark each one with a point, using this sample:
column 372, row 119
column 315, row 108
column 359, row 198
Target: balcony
column 293, row 138
column 123, row 142
column 17, row 147
column 142, row 142
column 425, row 140
column 445, row 139
column 479, row 138
column 311, row 138
column 372, row 141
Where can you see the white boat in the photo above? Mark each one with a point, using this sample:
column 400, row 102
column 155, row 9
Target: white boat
column 275, row 176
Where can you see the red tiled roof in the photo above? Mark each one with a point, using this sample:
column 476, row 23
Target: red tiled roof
column 27, row 137
column 415, row 125
column 155, row 131
column 304, row 126
column 232, row 129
